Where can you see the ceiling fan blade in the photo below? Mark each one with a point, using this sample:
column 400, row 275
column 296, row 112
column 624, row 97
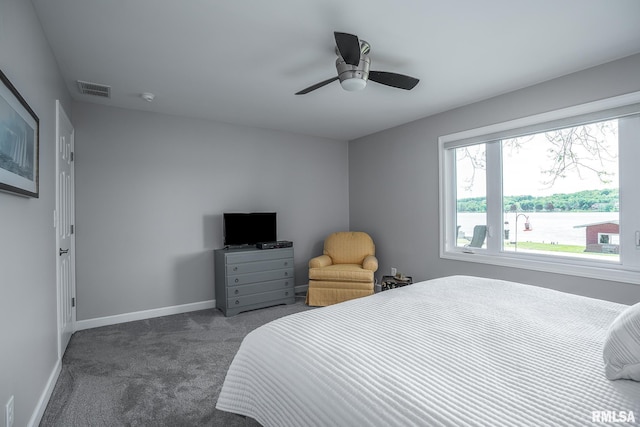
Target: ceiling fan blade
column 392, row 79
column 349, row 47
column 317, row 86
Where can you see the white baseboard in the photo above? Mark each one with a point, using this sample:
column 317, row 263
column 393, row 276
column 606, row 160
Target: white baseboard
column 144, row 314
column 46, row 394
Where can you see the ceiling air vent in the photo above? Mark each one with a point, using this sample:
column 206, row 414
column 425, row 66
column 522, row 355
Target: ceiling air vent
column 94, row 89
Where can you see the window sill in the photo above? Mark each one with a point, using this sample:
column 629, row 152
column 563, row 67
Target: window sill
column 603, row 271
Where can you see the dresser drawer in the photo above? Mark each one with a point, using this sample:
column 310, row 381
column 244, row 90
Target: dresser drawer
column 255, row 288
column 259, row 255
column 251, row 267
column 259, row 298
column 260, row 276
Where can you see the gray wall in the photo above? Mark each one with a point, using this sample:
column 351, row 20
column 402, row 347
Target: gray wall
column 393, row 180
column 151, row 190
column 27, row 238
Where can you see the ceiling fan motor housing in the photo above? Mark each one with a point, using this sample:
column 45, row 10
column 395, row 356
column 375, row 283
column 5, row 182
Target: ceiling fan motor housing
column 348, row 72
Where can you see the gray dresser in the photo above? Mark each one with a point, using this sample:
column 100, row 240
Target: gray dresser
column 251, row 278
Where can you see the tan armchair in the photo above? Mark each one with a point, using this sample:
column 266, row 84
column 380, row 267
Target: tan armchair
column 344, row 271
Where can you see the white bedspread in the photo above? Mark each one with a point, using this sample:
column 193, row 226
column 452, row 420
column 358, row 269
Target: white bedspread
column 456, row 351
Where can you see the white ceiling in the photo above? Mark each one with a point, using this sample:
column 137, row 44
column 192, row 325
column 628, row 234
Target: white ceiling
column 242, row 61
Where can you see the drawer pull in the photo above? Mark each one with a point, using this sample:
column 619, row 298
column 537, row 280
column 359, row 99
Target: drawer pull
column 237, row 302
column 237, row 280
column 237, row 292
column 286, row 284
column 286, row 294
column 286, row 263
column 286, row 273
column 235, row 268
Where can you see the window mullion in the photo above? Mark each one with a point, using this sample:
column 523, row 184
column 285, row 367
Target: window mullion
column 494, row 197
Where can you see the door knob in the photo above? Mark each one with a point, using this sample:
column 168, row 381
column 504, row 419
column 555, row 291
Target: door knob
column 63, row 251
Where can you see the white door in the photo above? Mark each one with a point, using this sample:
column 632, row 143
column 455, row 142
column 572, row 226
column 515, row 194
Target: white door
column 64, row 223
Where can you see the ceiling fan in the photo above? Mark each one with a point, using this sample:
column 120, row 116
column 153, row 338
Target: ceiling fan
column 353, row 67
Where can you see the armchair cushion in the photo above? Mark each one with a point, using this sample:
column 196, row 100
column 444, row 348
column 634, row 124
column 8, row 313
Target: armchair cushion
column 341, row 273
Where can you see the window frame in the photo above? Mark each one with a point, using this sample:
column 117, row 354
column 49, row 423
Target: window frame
column 625, row 270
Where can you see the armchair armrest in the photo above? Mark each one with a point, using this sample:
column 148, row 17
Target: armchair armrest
column 320, row 261
column 370, row 263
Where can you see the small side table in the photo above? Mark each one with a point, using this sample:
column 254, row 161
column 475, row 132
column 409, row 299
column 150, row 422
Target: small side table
column 392, row 282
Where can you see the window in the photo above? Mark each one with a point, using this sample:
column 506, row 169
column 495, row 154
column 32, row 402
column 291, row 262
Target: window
column 608, row 239
column 553, row 192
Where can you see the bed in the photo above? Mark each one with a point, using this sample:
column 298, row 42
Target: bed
column 454, row 351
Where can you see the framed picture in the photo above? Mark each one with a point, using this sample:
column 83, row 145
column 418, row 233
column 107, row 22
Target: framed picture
column 19, row 143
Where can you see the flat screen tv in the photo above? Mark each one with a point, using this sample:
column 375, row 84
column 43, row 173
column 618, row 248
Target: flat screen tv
column 249, row 228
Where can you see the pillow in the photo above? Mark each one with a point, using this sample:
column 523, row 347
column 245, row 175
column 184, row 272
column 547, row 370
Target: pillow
column 622, row 346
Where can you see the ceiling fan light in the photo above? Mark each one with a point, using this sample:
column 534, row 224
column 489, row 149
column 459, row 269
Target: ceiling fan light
column 353, row 84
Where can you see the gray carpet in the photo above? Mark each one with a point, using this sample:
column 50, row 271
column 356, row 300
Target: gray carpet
column 166, row 371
